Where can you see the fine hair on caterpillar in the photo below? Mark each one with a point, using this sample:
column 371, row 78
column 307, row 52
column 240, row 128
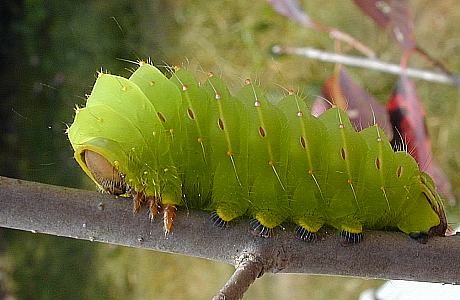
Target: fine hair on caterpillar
column 168, row 142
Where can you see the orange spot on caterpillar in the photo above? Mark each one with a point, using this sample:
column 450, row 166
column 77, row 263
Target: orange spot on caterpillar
column 303, row 143
column 220, row 123
column 190, row 114
column 161, row 117
column 343, row 154
column 399, row 171
column 377, row 163
column 262, row 131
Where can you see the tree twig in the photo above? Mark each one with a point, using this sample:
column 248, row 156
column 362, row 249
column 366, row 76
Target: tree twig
column 93, row 216
column 293, row 10
column 249, row 268
column 368, row 63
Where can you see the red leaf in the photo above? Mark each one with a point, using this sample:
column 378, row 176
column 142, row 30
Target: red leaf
column 361, row 107
column 392, row 15
column 408, row 118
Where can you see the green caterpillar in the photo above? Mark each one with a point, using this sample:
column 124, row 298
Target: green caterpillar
column 170, row 142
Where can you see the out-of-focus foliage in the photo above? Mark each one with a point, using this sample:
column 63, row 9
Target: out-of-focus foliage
column 52, row 52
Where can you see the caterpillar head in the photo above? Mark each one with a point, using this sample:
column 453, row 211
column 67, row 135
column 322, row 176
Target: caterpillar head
column 104, row 173
column 102, row 160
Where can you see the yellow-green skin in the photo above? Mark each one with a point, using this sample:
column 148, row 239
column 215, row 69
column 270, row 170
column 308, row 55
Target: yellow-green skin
column 197, row 145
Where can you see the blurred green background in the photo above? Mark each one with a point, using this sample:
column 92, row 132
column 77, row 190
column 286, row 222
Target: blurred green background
column 50, row 52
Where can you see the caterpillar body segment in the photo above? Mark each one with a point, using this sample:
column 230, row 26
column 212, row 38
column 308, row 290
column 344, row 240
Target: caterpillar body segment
column 346, row 151
column 229, row 154
column 306, row 165
column 176, row 141
column 195, row 144
column 267, row 158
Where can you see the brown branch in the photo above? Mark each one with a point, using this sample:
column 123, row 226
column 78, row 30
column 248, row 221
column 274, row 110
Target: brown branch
column 93, row 216
column 368, row 63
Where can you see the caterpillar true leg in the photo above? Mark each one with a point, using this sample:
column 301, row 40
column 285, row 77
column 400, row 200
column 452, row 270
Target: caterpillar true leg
column 154, row 206
column 139, row 200
column 169, row 213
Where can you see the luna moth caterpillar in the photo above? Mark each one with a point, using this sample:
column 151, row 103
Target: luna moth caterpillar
column 168, row 142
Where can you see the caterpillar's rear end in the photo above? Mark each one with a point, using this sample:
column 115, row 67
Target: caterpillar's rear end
column 165, row 141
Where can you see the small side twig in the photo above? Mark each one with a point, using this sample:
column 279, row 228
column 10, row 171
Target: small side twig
column 293, row 10
column 433, row 61
column 249, row 268
column 368, row 63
